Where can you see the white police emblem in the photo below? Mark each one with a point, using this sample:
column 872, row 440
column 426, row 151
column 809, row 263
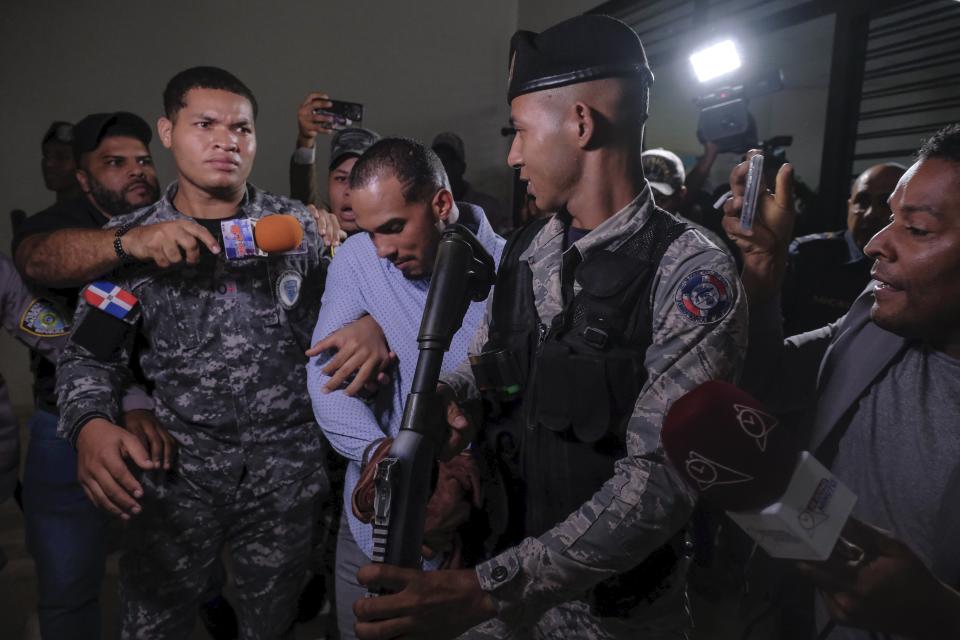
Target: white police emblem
column 288, row 289
column 43, row 319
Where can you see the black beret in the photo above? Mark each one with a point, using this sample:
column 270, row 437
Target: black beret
column 577, row 50
column 90, row 132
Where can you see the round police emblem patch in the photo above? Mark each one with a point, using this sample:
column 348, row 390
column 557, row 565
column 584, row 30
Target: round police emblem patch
column 42, row 318
column 288, row 289
column 704, row 297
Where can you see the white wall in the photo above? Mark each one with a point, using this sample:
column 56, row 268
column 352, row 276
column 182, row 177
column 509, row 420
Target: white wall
column 419, row 67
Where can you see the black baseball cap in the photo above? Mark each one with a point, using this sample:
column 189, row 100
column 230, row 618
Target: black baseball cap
column 90, row 132
column 353, row 141
column 58, row 131
column 580, row 49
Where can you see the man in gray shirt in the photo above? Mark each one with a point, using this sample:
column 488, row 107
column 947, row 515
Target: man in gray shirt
column 877, row 392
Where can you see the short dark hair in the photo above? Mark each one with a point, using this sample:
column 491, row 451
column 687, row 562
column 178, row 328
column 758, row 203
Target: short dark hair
column 638, row 97
column 416, row 166
column 944, row 144
column 175, row 93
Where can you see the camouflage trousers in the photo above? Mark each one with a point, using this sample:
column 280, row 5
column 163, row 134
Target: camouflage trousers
column 574, row 620
column 175, row 543
column 667, row 618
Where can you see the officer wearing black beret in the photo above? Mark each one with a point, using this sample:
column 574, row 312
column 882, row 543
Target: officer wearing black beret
column 609, row 310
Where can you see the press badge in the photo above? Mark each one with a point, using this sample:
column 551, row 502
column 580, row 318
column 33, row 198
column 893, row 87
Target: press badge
column 238, row 239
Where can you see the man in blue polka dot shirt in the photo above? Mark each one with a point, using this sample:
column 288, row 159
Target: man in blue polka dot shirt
column 402, row 201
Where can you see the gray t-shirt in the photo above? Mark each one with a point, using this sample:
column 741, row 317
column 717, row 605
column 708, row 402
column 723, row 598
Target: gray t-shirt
column 901, row 457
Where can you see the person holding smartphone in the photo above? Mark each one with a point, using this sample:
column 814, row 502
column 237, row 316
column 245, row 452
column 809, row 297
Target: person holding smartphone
column 874, row 395
column 314, row 119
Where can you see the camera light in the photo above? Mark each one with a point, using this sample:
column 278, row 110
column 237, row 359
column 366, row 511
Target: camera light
column 716, row 60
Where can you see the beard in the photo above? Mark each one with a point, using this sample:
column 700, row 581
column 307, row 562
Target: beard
column 115, row 203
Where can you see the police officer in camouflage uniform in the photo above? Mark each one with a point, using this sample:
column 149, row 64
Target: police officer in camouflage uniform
column 226, row 354
column 603, row 314
column 38, row 323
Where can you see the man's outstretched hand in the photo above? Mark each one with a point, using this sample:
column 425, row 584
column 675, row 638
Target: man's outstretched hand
column 431, row 604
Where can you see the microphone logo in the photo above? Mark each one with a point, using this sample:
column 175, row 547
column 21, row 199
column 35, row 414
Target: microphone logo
column 755, row 423
column 815, row 512
column 708, row 473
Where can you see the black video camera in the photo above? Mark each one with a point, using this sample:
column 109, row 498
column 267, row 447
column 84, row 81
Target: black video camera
column 724, row 117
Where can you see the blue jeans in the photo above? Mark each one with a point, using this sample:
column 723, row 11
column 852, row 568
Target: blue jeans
column 65, row 535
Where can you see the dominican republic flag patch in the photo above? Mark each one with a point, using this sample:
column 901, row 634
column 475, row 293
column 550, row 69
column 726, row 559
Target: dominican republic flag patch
column 108, row 297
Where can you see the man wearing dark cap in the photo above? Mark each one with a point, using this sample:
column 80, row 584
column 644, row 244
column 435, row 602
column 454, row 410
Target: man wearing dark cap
column 113, row 166
column 449, row 146
column 65, row 245
column 346, row 146
column 604, row 342
column 58, row 165
column 65, row 533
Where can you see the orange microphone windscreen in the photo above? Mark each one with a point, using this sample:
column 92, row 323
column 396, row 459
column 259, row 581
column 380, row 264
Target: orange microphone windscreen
column 277, row 233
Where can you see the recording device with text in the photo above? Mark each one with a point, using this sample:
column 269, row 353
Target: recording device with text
column 739, row 458
column 272, row 234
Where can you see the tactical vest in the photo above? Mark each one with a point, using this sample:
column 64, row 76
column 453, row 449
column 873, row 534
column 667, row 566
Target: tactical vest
column 567, row 391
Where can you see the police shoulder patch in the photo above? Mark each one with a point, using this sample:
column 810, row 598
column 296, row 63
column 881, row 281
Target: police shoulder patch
column 288, row 288
column 704, row 297
column 42, row 318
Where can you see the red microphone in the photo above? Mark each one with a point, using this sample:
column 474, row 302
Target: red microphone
column 728, row 447
column 740, row 458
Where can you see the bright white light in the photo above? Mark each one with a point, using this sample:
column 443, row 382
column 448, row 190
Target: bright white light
column 716, row 60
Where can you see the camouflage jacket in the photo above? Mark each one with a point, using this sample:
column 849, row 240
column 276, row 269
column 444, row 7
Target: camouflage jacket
column 226, row 342
column 645, row 503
